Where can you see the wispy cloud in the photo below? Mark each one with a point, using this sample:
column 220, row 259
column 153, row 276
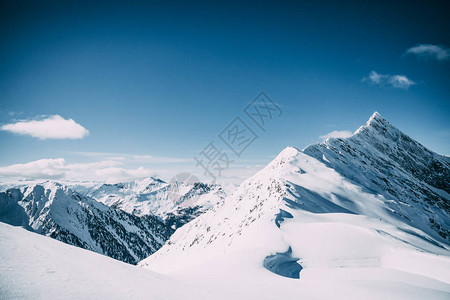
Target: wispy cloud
column 48, row 127
column 14, row 113
column 336, row 134
column 428, row 51
column 395, row 81
column 43, row 168
column 99, row 167
column 113, row 170
column 58, row 168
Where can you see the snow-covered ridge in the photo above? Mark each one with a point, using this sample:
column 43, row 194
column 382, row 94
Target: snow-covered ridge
column 385, row 161
column 340, row 207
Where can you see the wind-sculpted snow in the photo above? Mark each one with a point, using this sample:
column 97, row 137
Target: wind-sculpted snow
column 283, row 264
column 54, row 210
column 340, row 224
column 279, row 217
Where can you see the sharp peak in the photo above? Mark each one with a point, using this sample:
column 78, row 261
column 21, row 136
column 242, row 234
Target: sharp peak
column 376, row 117
column 376, row 122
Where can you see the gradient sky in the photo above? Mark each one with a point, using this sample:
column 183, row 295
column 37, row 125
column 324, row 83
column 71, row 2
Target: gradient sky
column 155, row 82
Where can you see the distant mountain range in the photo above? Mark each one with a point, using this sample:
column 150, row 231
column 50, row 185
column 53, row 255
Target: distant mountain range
column 56, row 211
column 134, row 220
column 175, row 202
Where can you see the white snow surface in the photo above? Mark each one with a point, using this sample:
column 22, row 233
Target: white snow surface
column 349, row 245
column 38, row 267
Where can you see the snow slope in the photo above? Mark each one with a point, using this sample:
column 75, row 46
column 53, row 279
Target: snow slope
column 57, row 211
column 300, row 218
column 37, row 267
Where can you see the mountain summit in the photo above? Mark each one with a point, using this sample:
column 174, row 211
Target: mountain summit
column 373, row 206
column 380, row 158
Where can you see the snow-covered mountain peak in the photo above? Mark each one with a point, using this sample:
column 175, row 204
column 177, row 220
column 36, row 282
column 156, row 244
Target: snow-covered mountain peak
column 376, row 125
column 378, row 185
column 47, row 192
column 288, row 152
column 376, row 117
column 384, row 160
column 281, row 161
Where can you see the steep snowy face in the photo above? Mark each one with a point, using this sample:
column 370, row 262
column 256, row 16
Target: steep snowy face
column 301, row 216
column 179, row 202
column 57, row 211
column 254, row 202
column 414, row 180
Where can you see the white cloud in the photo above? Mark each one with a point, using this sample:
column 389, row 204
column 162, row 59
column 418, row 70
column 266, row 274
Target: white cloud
column 98, row 166
column 395, row 81
column 400, row 81
column 428, row 51
column 113, row 171
column 376, row 78
column 336, row 134
column 43, row 168
column 107, row 170
column 50, row 127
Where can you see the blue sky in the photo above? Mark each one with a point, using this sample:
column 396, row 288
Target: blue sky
column 153, row 83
